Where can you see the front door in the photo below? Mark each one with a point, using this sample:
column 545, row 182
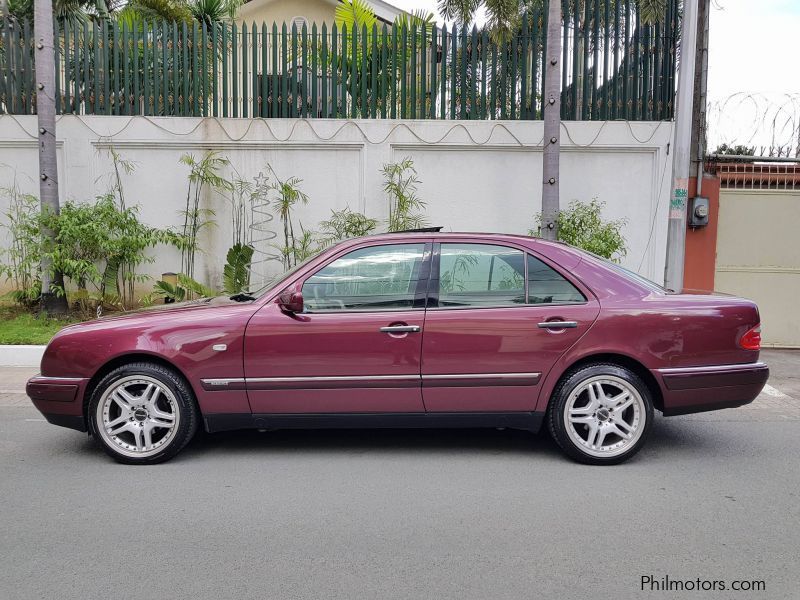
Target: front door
column 497, row 321
column 357, row 345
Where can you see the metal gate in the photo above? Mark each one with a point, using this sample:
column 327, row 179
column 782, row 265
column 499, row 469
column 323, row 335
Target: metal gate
column 758, row 246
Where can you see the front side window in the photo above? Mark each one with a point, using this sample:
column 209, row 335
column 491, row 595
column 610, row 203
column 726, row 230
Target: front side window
column 480, row 275
column 372, row 278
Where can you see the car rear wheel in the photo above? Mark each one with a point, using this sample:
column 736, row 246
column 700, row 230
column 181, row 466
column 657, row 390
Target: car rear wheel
column 142, row 413
column 601, row 414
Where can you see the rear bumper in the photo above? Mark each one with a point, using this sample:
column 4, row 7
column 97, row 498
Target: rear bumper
column 59, row 399
column 698, row 389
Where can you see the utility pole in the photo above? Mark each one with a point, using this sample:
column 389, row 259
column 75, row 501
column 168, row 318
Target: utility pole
column 48, row 165
column 681, row 148
column 552, row 123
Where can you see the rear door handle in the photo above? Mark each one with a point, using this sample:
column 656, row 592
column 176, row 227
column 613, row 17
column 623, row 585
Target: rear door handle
column 400, row 329
column 558, row 325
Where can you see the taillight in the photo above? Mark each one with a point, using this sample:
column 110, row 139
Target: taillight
column 751, row 340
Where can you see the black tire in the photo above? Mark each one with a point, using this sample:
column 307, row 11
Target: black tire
column 174, row 397
column 570, row 437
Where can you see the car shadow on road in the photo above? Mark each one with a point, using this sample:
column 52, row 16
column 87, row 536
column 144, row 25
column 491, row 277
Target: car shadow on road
column 679, row 437
column 670, row 437
column 362, row 441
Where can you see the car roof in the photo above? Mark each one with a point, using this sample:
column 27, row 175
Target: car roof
column 524, row 240
column 563, row 254
column 476, row 235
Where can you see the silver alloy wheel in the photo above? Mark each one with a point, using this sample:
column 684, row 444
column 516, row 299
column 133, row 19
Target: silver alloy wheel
column 604, row 416
column 138, row 416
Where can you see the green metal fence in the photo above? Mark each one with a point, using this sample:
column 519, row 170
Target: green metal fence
column 613, row 67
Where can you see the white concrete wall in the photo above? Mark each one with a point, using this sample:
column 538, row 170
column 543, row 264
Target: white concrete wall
column 476, row 176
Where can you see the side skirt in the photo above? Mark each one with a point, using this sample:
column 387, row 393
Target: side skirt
column 529, row 421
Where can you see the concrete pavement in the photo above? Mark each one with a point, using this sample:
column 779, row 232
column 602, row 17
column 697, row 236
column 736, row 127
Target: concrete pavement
column 404, row 514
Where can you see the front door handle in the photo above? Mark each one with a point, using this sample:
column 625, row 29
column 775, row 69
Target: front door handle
column 400, row 329
column 558, row 325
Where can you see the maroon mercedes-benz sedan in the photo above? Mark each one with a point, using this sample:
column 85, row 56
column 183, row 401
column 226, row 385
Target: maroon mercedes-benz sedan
column 411, row 330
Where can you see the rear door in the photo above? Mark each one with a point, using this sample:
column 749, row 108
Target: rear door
column 498, row 319
column 357, row 345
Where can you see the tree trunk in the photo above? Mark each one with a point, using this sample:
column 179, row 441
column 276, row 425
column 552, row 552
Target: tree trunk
column 48, row 168
column 552, row 122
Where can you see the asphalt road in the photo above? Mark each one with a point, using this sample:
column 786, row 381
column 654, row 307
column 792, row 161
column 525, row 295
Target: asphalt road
column 403, row 514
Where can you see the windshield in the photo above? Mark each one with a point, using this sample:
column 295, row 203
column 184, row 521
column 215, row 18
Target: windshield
column 278, row 278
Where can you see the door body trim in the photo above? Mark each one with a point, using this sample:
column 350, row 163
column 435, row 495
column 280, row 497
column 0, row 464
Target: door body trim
column 370, row 381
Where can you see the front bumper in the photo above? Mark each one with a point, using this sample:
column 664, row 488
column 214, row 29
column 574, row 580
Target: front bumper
column 698, row 389
column 59, row 399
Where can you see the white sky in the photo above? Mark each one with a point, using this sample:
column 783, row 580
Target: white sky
column 753, row 53
column 753, row 44
column 753, row 48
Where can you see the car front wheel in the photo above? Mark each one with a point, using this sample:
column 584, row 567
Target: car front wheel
column 142, row 413
column 601, row 414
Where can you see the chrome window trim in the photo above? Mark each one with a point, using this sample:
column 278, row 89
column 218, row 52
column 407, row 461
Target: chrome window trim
column 344, row 311
column 711, row 368
column 511, row 306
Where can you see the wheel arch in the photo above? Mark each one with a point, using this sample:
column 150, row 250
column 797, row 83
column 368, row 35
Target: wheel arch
column 124, row 359
column 622, row 360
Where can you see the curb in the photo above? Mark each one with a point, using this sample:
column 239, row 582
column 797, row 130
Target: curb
column 21, row 356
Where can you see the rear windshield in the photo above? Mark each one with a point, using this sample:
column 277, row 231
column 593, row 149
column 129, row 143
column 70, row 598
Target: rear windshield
column 628, row 274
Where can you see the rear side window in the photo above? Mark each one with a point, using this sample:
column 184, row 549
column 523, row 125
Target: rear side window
column 484, row 275
column 480, row 275
column 546, row 286
column 372, row 278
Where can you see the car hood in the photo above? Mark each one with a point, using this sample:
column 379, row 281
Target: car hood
column 190, row 308
column 159, row 308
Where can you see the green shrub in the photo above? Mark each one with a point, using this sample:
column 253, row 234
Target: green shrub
column 236, row 272
column 21, row 260
column 400, row 184
column 581, row 224
column 93, row 240
column 345, row 224
column 186, row 288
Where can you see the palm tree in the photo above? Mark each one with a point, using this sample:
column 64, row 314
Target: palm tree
column 137, row 11
column 504, row 16
column 213, row 11
column 287, row 194
column 65, row 9
column 357, row 16
column 203, row 11
column 354, row 14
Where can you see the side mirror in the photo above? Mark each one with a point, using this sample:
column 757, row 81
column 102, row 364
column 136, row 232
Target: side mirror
column 291, row 302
